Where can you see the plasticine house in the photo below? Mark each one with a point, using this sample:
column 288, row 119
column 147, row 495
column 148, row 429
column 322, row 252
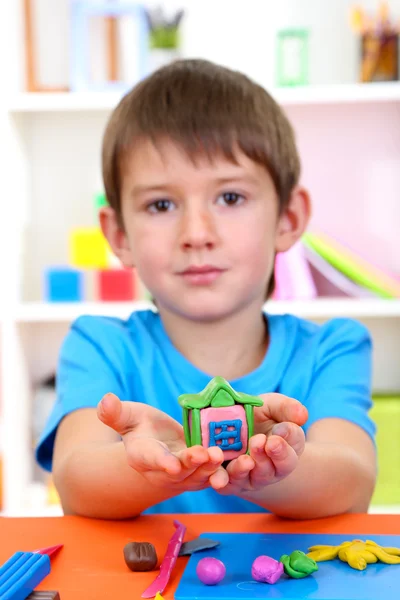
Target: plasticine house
column 219, row 416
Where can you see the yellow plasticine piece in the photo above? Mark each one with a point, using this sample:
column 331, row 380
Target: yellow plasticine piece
column 324, row 553
column 387, row 549
column 158, row 596
column 357, row 553
column 356, row 559
column 88, row 248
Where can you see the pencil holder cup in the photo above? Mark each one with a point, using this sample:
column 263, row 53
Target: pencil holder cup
column 379, row 57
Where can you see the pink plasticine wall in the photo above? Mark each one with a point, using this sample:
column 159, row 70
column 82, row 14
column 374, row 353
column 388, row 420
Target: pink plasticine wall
column 208, row 415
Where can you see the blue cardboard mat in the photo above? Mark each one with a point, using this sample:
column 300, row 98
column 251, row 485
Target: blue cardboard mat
column 334, row 579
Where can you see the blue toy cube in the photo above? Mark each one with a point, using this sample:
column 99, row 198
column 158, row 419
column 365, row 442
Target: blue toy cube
column 63, row 284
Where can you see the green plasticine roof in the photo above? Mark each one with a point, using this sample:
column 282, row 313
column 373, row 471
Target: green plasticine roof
column 217, row 393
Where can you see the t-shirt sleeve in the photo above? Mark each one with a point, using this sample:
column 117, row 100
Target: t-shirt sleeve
column 87, row 369
column 342, row 378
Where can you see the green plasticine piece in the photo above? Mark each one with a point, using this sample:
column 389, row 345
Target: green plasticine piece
column 298, row 564
column 217, row 393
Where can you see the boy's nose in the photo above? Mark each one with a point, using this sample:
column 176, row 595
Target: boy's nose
column 198, row 229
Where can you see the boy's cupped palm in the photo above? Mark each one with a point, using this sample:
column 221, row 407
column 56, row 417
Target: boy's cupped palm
column 155, row 446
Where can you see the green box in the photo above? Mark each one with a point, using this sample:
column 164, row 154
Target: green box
column 386, row 414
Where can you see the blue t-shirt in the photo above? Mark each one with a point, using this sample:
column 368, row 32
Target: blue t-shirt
column 326, row 367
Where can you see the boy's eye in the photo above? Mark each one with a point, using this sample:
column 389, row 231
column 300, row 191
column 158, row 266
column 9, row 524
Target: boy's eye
column 230, row 198
column 163, row 205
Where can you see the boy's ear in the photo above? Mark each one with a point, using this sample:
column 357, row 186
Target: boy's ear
column 294, row 220
column 115, row 235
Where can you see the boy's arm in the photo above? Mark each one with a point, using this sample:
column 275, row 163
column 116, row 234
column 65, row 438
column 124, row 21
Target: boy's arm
column 333, row 470
column 97, row 475
column 91, row 472
column 335, row 474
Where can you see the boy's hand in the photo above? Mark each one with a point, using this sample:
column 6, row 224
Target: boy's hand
column 155, row 447
column 275, row 447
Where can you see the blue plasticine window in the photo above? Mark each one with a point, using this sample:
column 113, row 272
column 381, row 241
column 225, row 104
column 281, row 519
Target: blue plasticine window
column 226, row 434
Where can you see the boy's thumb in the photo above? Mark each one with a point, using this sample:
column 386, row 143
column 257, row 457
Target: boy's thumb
column 116, row 414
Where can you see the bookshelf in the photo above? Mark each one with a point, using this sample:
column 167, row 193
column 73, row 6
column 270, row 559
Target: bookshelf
column 349, row 140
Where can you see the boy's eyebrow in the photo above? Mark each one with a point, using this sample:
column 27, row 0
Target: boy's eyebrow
column 162, row 187
column 140, row 189
column 237, row 178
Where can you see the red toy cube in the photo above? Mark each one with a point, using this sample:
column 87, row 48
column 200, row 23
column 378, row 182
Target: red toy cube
column 116, row 285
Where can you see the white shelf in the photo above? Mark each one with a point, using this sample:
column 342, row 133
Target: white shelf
column 43, row 312
column 47, row 312
column 30, row 102
column 387, row 509
column 337, row 307
column 345, row 93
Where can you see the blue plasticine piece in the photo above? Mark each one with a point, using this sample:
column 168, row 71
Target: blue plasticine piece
column 226, row 434
column 22, row 573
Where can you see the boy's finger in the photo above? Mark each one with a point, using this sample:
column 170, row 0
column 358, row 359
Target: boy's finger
column 264, row 470
column 279, row 408
column 198, row 463
column 123, row 417
column 282, row 455
column 193, row 457
column 151, row 455
column 292, row 434
column 219, row 479
column 210, row 471
column 239, row 469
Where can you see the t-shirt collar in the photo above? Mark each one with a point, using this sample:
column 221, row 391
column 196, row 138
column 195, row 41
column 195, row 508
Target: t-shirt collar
column 265, row 378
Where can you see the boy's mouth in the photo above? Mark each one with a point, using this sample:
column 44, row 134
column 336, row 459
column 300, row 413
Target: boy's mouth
column 202, row 274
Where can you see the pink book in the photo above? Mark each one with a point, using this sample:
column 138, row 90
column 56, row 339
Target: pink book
column 293, row 275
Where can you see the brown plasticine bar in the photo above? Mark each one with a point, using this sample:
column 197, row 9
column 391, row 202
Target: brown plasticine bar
column 44, row 595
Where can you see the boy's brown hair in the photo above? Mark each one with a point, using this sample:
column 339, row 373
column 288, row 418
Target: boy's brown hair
column 204, row 108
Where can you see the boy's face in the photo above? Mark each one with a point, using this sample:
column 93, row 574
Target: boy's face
column 202, row 236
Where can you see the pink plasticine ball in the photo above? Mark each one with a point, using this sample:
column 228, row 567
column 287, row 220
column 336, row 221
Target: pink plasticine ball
column 266, row 569
column 210, row 570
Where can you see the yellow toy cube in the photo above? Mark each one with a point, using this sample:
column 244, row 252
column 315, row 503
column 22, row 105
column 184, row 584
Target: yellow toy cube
column 88, row 248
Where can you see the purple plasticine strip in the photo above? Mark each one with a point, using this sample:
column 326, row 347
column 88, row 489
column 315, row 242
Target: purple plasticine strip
column 21, row 574
column 168, row 563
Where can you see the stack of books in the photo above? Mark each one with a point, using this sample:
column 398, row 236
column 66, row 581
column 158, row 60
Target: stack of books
column 319, row 265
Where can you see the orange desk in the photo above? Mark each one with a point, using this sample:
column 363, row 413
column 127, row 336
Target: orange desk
column 91, row 564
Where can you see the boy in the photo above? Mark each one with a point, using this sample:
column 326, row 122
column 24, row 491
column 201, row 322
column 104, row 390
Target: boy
column 202, row 174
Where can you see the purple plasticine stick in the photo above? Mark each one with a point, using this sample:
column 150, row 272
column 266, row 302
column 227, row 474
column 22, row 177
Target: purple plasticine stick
column 168, row 563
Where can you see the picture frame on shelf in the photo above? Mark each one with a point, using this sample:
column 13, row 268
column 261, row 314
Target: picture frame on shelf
column 292, row 58
column 82, row 11
column 33, row 81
